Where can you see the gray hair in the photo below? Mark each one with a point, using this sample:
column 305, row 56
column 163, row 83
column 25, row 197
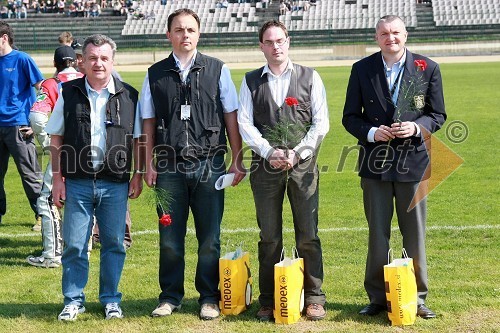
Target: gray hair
column 98, row 40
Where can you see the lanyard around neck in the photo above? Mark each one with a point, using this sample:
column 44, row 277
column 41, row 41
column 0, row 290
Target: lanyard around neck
column 394, row 86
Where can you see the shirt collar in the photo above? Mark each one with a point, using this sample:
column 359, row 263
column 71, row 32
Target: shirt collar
column 178, row 62
column 110, row 87
column 289, row 67
column 400, row 64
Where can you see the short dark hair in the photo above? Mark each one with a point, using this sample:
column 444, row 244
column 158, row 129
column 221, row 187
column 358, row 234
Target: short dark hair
column 182, row 11
column 98, row 40
column 270, row 24
column 5, row 29
column 388, row 19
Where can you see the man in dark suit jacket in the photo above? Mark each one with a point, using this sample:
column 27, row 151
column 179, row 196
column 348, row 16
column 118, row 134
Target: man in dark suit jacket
column 394, row 102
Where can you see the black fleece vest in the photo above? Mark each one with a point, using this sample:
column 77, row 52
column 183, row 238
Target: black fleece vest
column 120, row 115
column 204, row 134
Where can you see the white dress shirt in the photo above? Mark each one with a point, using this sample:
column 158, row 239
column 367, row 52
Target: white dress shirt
column 228, row 94
column 279, row 88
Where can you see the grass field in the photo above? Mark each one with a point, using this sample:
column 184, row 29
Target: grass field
column 463, row 237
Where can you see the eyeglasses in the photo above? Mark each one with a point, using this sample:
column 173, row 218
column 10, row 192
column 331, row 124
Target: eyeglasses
column 279, row 42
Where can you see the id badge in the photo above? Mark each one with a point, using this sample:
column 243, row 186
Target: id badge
column 185, row 112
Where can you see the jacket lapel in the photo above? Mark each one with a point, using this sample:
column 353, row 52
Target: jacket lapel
column 379, row 82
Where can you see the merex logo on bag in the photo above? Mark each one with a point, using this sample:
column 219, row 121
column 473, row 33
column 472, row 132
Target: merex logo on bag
column 283, row 296
column 226, row 288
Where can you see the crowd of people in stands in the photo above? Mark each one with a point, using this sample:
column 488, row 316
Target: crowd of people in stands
column 19, row 9
column 291, row 6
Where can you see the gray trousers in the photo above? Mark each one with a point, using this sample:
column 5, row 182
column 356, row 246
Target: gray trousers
column 301, row 186
column 380, row 198
column 51, row 220
column 23, row 151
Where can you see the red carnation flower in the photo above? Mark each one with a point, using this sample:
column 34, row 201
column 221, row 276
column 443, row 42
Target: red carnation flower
column 420, row 64
column 291, row 101
column 165, row 220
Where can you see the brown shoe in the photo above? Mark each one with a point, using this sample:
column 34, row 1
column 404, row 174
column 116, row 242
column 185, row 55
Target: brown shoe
column 265, row 313
column 315, row 312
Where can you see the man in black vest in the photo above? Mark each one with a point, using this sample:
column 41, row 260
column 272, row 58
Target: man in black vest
column 93, row 128
column 188, row 103
column 283, row 117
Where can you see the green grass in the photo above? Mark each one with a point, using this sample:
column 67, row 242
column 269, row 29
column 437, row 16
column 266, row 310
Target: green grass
column 463, row 238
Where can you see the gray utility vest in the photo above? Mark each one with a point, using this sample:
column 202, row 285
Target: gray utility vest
column 267, row 114
column 204, row 134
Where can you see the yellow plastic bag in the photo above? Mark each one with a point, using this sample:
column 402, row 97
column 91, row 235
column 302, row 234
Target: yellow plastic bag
column 235, row 282
column 288, row 288
column 400, row 290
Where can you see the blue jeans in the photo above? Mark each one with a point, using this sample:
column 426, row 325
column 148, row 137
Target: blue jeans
column 192, row 185
column 108, row 202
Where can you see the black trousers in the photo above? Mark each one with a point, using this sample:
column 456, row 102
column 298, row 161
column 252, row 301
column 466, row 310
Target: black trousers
column 23, row 151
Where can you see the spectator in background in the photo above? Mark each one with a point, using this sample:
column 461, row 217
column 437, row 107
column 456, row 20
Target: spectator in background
column 60, row 7
column 4, row 12
column 282, row 8
column 79, row 9
column 24, row 12
column 95, row 10
column 36, row 6
column 66, row 38
column 16, row 137
column 307, row 5
column 72, row 10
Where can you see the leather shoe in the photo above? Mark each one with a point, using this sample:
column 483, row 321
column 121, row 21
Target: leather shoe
column 265, row 313
column 315, row 311
column 372, row 309
column 424, row 312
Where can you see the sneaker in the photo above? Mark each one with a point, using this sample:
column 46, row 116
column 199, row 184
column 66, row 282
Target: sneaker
column 70, row 312
column 209, row 311
column 265, row 313
column 164, row 309
column 113, row 310
column 38, row 224
column 43, row 262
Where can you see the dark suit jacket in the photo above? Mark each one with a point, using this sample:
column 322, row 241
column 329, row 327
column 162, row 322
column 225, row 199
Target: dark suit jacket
column 368, row 104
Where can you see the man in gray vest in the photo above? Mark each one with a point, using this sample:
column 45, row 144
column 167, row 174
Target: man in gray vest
column 283, row 117
column 187, row 103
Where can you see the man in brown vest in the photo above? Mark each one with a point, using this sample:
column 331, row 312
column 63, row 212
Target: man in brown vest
column 283, row 117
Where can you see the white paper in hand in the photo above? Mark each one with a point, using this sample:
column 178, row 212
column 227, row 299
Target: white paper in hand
column 226, row 180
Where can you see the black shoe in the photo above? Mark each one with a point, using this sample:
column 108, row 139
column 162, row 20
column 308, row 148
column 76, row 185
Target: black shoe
column 265, row 313
column 424, row 312
column 372, row 309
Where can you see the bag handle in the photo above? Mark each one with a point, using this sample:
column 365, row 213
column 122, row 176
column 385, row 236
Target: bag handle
column 295, row 253
column 389, row 256
column 405, row 255
column 282, row 257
